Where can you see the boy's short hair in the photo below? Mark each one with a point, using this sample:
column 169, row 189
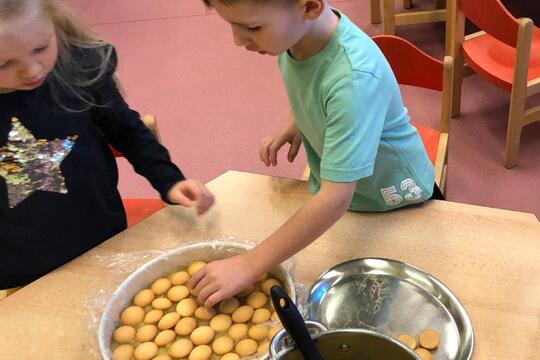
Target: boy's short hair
column 230, row 2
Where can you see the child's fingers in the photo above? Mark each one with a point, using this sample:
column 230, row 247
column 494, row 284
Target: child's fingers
column 204, row 204
column 178, row 197
column 214, row 299
column 293, row 150
column 273, row 151
column 263, row 152
column 194, row 190
column 208, row 195
column 206, row 292
column 201, row 285
column 196, row 278
column 204, row 198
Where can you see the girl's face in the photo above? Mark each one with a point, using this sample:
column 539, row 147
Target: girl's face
column 28, row 51
column 262, row 27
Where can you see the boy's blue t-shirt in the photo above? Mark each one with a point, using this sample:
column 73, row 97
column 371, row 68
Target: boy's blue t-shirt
column 347, row 105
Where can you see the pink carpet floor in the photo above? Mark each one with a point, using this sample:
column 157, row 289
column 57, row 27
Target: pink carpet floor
column 214, row 102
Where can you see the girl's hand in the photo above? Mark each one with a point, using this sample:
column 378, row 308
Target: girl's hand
column 270, row 145
column 186, row 191
column 222, row 279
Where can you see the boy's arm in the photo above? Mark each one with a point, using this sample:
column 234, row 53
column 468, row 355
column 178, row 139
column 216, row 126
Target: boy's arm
column 214, row 282
column 310, row 222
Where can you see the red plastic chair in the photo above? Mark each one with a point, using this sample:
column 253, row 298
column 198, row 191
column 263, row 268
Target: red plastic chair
column 414, row 67
column 138, row 209
column 506, row 53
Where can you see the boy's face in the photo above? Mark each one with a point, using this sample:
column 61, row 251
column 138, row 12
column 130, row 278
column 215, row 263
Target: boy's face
column 28, row 51
column 262, row 27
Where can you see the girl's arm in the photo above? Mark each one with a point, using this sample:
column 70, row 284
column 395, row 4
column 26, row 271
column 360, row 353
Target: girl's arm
column 224, row 278
column 125, row 131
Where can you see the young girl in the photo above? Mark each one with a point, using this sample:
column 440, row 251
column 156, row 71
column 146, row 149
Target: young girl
column 363, row 153
column 60, row 108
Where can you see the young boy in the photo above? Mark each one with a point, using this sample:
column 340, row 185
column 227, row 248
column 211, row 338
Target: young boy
column 363, row 153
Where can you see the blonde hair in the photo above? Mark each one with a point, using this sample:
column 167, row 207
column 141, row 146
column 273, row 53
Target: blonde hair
column 70, row 32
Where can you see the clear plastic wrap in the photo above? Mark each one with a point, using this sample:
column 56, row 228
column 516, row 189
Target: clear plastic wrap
column 132, row 272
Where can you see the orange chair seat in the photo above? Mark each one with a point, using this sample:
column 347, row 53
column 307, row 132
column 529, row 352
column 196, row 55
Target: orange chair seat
column 430, row 138
column 495, row 60
column 138, row 209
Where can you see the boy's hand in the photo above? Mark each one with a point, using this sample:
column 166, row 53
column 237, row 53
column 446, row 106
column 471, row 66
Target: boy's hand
column 222, row 279
column 186, row 191
column 270, row 145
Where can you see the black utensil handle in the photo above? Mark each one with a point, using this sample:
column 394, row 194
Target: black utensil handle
column 294, row 323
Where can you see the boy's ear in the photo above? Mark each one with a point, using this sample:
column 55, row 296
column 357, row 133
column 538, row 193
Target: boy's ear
column 313, row 8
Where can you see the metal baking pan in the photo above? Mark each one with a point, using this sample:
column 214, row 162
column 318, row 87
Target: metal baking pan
column 391, row 298
column 162, row 265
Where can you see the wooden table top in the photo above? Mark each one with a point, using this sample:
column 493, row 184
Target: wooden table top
column 488, row 257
